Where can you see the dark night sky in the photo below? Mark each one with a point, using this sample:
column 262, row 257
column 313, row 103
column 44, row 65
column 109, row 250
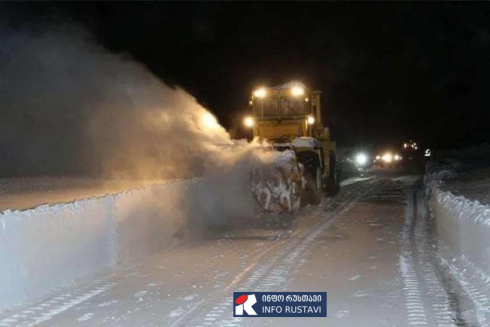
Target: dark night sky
column 389, row 71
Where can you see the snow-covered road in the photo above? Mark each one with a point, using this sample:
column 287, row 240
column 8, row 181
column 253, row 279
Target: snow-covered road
column 371, row 248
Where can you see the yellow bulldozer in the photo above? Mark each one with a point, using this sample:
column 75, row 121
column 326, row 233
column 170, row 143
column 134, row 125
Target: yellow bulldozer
column 288, row 118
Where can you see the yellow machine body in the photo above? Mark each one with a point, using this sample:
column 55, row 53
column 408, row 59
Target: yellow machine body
column 290, row 111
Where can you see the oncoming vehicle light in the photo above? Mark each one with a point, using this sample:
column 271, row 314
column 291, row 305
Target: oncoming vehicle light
column 387, row 157
column 361, row 159
column 248, row 121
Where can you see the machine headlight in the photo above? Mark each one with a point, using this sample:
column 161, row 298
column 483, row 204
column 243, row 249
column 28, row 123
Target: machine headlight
column 310, row 120
column 397, row 157
column 387, row 157
column 361, row 159
column 260, row 93
column 248, row 121
column 297, row 91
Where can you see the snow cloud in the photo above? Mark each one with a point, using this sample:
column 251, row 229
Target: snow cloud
column 69, row 106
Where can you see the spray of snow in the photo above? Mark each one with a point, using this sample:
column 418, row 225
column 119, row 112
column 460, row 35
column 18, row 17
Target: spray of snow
column 71, row 107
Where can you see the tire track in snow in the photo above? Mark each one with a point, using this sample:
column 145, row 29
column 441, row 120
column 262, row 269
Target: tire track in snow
column 427, row 299
column 275, row 273
column 256, row 272
column 479, row 300
column 414, row 304
column 220, row 309
column 44, row 311
column 444, row 310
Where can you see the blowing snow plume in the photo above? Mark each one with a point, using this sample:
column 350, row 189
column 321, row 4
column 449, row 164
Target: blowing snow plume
column 70, row 107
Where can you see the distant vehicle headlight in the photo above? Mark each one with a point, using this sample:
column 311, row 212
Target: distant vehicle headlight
column 361, row 159
column 387, row 157
column 311, row 120
column 397, row 157
column 248, row 121
column 260, row 93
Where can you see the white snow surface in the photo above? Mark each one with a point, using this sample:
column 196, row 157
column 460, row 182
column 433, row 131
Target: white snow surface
column 463, row 228
column 370, row 248
column 306, row 142
column 463, row 224
column 53, row 245
column 50, row 246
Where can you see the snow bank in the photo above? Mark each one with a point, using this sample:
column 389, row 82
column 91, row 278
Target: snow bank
column 50, row 246
column 463, row 228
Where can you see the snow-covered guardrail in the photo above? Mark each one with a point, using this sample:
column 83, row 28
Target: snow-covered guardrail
column 50, row 246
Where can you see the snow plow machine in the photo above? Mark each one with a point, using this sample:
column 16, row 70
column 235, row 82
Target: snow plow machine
column 287, row 119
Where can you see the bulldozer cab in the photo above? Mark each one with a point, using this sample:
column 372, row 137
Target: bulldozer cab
column 286, row 111
column 289, row 118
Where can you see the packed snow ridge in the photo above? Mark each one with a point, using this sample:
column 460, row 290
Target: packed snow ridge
column 463, row 228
